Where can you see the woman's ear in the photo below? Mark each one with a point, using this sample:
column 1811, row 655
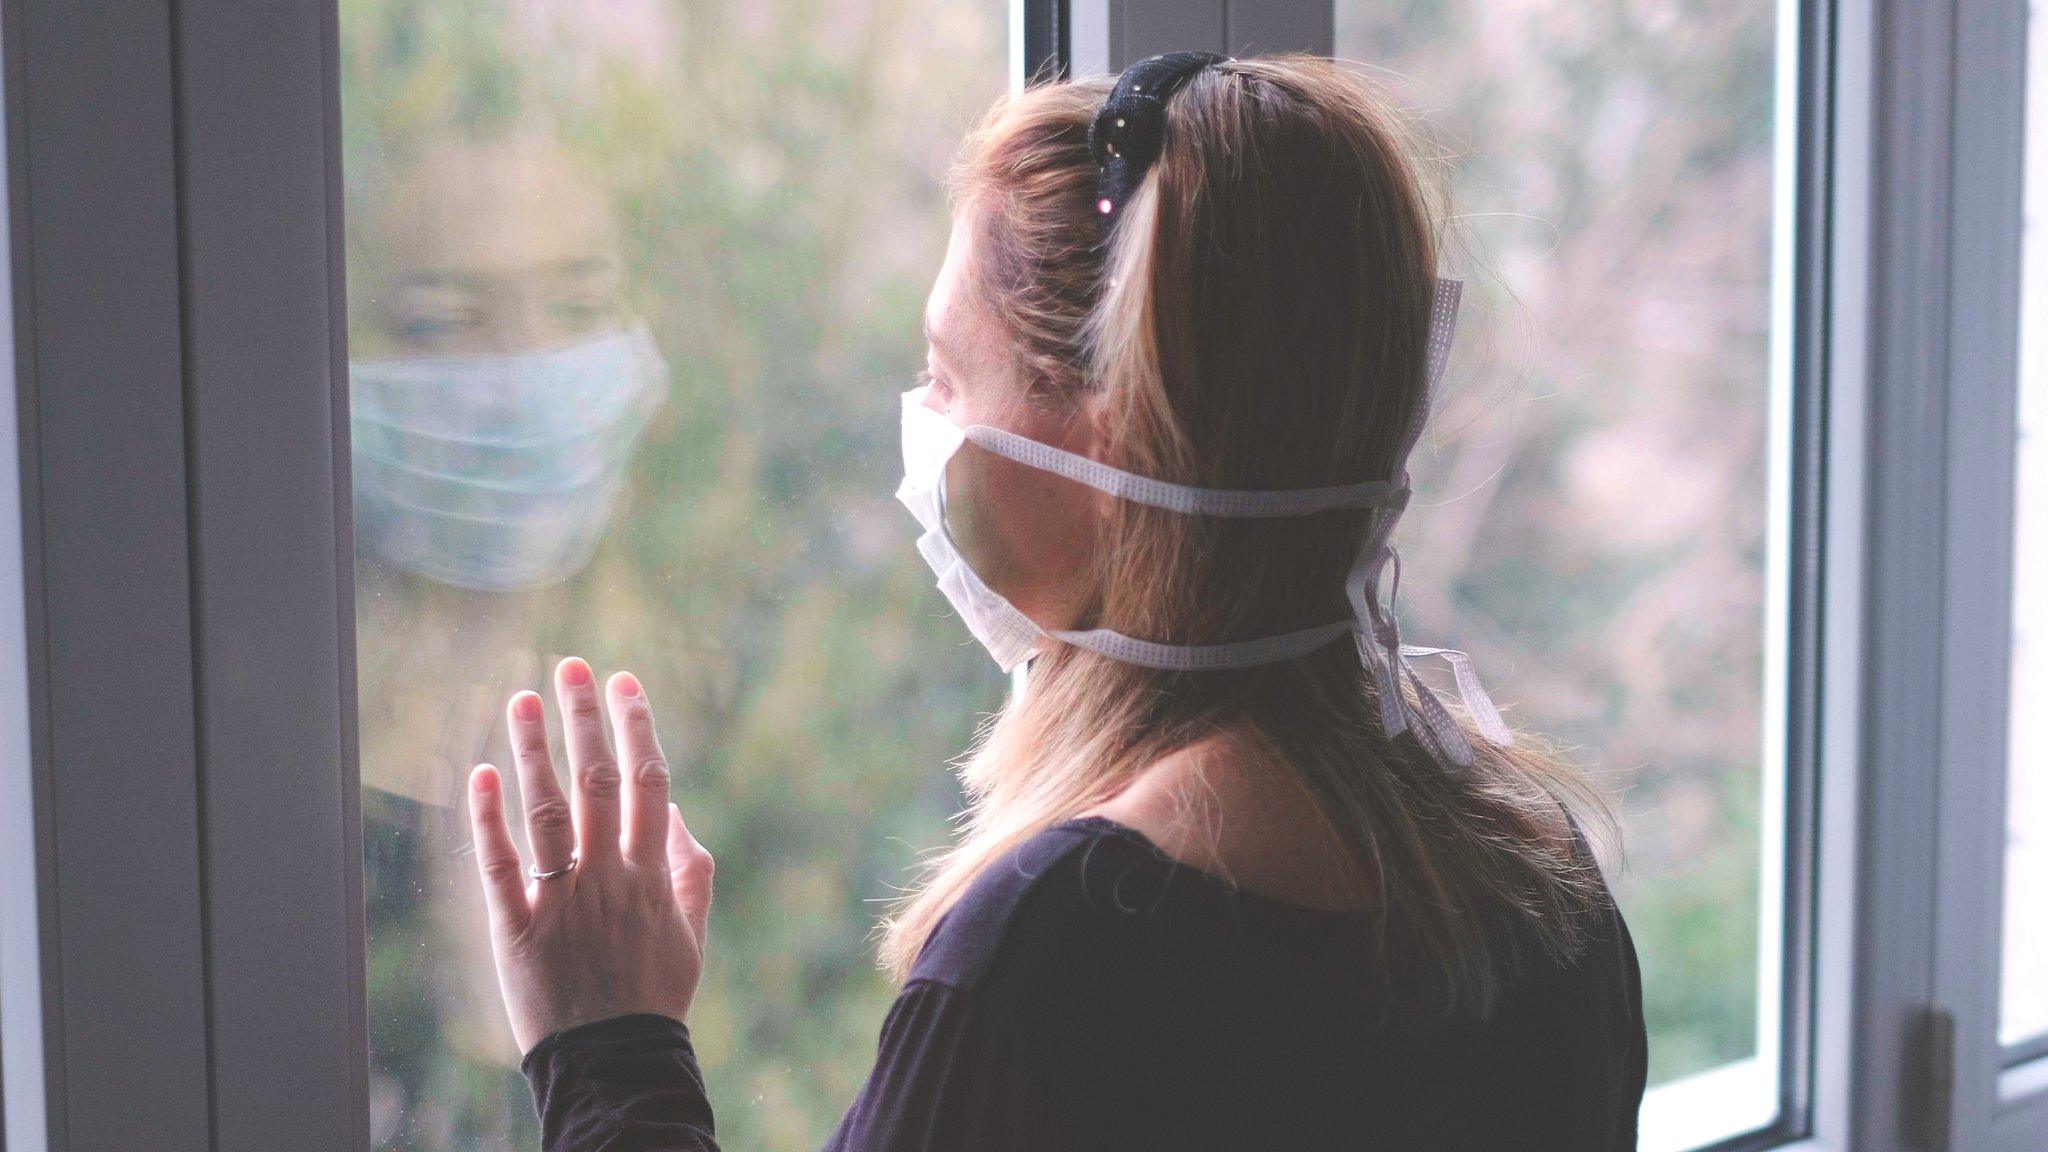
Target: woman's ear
column 1087, row 440
column 1085, row 426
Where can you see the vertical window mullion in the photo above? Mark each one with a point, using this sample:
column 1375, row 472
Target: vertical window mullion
column 1897, row 1049
column 259, row 158
column 1997, row 1107
column 98, row 379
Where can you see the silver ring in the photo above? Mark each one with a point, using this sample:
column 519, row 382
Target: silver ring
column 537, row 874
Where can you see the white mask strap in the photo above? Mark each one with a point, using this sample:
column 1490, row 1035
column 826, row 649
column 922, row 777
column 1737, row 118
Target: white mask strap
column 1241, row 503
column 1010, row 636
column 1206, row 657
column 1379, row 632
column 1230, row 502
column 1443, row 324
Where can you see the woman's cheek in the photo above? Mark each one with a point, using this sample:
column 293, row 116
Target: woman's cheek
column 1016, row 527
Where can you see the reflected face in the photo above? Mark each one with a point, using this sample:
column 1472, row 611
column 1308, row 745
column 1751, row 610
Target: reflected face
column 498, row 391
column 1028, row 534
column 495, row 247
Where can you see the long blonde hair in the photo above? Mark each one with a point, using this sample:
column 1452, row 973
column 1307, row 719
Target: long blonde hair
column 1259, row 321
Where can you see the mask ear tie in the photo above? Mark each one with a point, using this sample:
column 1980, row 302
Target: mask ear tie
column 1378, row 634
column 1435, row 726
column 1471, row 693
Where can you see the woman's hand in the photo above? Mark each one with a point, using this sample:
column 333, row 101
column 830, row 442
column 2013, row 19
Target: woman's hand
column 622, row 931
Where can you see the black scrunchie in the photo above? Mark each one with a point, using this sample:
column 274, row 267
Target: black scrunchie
column 1129, row 132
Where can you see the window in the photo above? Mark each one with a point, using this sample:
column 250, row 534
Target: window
column 1762, row 261
column 632, row 290
column 1604, row 511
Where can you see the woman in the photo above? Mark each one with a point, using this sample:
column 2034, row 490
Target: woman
column 1231, row 875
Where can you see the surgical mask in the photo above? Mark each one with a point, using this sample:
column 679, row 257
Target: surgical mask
column 930, row 441
column 499, row 472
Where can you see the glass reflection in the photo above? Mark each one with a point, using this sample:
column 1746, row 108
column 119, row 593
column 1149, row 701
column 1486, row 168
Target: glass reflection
column 633, row 289
column 490, row 441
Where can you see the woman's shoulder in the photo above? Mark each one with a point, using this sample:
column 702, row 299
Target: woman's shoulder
column 1092, row 903
column 1046, row 890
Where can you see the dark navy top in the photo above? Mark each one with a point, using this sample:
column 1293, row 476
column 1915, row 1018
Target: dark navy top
column 1095, row 994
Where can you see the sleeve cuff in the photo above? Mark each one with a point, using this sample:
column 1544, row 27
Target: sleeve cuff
column 626, row 1082
column 639, row 1027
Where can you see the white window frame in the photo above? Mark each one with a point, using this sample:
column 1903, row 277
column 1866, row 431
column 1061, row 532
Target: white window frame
column 181, row 935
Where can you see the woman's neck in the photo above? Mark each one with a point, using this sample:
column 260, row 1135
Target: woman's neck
column 1215, row 807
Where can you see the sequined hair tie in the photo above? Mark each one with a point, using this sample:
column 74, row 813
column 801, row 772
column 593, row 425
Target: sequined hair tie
column 1130, row 130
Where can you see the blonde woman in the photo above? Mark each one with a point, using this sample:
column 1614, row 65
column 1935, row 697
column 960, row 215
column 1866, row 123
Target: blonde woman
column 1232, row 876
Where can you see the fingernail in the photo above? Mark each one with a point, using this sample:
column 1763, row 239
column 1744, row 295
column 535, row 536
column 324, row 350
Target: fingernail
column 526, row 706
column 486, row 782
column 575, row 672
column 628, row 685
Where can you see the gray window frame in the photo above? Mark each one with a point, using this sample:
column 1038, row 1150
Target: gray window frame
column 181, row 942
column 2000, row 1094
column 176, row 282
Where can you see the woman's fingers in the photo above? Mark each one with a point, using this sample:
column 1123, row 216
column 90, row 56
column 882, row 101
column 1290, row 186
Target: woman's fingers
column 550, row 828
column 645, row 769
column 497, row 857
column 595, row 797
column 689, row 873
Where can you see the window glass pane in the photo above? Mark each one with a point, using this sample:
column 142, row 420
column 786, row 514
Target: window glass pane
column 2025, row 1009
column 1601, row 510
column 634, row 286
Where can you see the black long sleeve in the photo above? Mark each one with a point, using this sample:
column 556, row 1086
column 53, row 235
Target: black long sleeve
column 1094, row 995
column 944, row 1078
column 627, row 1084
